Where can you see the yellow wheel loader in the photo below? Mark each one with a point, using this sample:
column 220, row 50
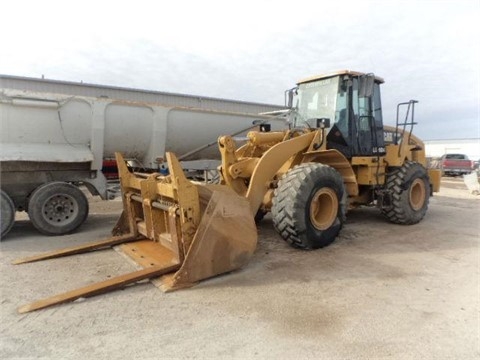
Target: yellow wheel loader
column 336, row 154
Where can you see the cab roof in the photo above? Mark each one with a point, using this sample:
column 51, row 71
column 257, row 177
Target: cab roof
column 336, row 73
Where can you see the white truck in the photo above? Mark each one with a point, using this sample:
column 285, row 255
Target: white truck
column 51, row 144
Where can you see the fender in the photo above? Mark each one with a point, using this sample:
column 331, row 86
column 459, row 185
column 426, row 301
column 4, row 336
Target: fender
column 270, row 163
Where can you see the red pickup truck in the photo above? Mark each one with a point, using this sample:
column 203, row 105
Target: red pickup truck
column 456, row 164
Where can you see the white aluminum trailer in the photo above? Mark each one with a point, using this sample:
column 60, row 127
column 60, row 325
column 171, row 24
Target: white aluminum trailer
column 53, row 143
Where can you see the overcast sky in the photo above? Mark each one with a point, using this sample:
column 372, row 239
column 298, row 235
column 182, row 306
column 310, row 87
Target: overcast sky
column 254, row 50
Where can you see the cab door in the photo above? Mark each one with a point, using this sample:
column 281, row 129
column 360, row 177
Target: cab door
column 366, row 118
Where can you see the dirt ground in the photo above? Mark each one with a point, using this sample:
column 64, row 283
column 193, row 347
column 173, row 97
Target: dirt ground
column 380, row 291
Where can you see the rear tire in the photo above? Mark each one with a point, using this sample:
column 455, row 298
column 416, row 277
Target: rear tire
column 309, row 206
column 7, row 215
column 57, row 208
column 410, row 188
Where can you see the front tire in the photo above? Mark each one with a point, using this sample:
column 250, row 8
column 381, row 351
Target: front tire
column 57, row 208
column 410, row 189
column 309, row 206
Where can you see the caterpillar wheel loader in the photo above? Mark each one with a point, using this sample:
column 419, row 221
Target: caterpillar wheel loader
column 336, row 154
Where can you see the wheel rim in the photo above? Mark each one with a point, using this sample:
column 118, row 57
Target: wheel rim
column 323, row 208
column 60, row 209
column 417, row 194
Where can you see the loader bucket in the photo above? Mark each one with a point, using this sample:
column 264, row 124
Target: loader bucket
column 176, row 231
column 224, row 240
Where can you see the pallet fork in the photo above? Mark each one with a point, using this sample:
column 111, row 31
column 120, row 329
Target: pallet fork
column 173, row 229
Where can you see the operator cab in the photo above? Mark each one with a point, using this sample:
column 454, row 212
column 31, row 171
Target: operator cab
column 349, row 103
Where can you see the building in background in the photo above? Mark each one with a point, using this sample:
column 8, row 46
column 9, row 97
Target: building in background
column 469, row 147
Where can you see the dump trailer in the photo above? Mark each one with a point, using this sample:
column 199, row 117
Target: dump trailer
column 336, row 155
column 53, row 143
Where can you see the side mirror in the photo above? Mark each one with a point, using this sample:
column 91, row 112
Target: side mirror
column 365, row 85
column 289, row 94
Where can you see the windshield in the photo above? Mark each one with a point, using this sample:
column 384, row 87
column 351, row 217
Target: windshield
column 316, row 99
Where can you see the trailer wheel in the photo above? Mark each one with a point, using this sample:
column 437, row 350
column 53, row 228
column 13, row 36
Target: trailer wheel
column 309, row 206
column 7, row 215
column 410, row 188
column 57, row 208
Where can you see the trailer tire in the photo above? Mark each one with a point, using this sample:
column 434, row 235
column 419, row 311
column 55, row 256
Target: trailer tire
column 309, row 206
column 410, row 189
column 57, row 208
column 7, row 215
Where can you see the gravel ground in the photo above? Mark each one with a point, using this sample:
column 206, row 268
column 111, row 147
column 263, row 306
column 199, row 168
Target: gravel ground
column 380, row 291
